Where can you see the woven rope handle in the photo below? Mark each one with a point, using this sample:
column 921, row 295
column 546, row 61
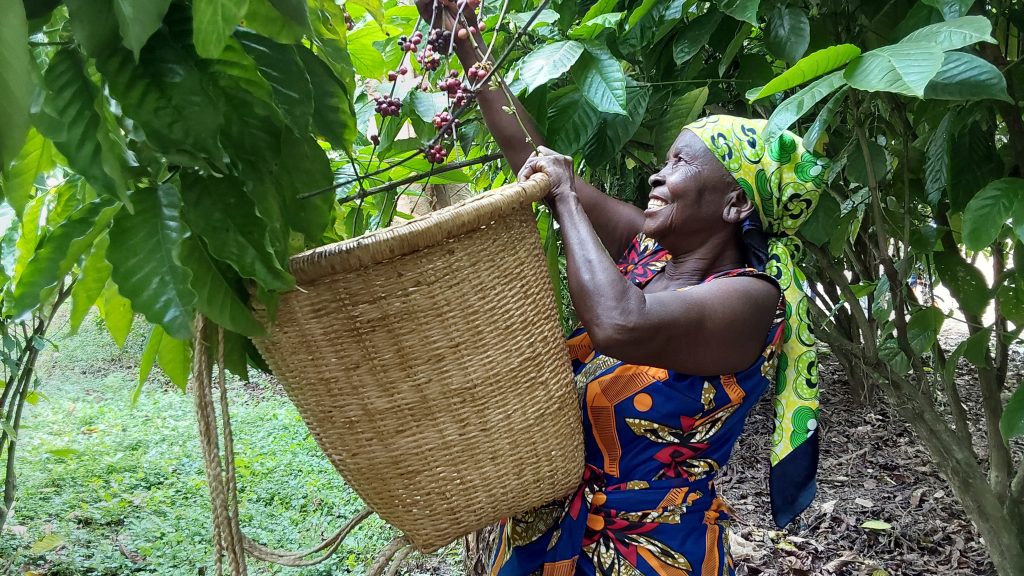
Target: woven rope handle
column 229, row 542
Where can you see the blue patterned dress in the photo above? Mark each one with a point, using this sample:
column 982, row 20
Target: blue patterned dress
column 655, row 440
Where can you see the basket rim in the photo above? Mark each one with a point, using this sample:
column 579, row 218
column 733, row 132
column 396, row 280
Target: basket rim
column 419, row 233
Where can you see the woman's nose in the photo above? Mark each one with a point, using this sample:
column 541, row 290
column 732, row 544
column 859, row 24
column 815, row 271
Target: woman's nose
column 656, row 180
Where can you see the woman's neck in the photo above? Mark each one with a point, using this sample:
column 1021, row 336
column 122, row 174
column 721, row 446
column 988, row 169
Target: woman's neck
column 694, row 266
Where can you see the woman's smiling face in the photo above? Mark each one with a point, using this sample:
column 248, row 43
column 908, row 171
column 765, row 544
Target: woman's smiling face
column 690, row 195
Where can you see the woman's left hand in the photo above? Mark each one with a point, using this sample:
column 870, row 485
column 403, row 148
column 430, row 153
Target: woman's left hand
column 558, row 167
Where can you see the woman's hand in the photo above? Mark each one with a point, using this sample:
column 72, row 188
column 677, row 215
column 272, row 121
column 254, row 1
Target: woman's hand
column 558, row 168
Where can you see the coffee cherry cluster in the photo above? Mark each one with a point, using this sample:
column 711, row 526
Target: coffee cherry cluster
column 435, row 154
column 410, row 44
column 428, row 59
column 451, row 84
column 394, row 74
column 444, row 122
column 387, row 106
column 349, row 23
column 477, row 72
column 440, row 41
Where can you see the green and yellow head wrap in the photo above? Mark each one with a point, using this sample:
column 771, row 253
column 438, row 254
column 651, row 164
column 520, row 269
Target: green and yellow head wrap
column 784, row 181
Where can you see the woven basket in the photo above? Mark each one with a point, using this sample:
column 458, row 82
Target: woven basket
column 428, row 362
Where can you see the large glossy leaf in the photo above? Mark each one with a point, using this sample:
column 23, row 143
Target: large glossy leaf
column 216, row 297
column 904, row 68
column 117, row 314
column 788, row 32
column 58, row 252
column 167, row 96
column 237, row 72
column 601, row 80
column 813, row 135
column 810, row 67
column 213, row 22
column 923, row 329
column 647, row 24
column 174, row 357
column 373, row 7
column 989, row 211
column 331, row 39
column 280, row 65
column 823, row 221
column 590, row 29
column 34, row 159
column 69, row 116
column 549, row 62
column 695, row 35
column 937, row 160
column 1011, row 424
column 953, row 34
column 149, row 352
column 304, row 167
column 615, row 130
column 334, row 116
column 91, row 280
column 951, row 8
column 966, row 77
column 15, row 79
column 262, row 17
column 571, row 120
column 145, row 251
column 975, row 163
column 138, row 20
column 1011, row 302
column 681, row 112
column 427, row 104
column 28, row 239
column 965, row 282
column 221, row 212
column 745, row 10
column 742, row 33
column 794, row 107
column 366, row 59
column 294, row 10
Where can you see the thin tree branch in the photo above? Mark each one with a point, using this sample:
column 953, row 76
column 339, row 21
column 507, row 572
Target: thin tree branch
column 422, row 175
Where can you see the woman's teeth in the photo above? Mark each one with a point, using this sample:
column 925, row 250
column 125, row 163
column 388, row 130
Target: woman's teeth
column 656, row 204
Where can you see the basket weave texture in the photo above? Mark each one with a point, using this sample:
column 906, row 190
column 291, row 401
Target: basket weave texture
column 428, row 363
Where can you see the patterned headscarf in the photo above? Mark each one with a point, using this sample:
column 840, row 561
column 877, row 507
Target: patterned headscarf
column 783, row 180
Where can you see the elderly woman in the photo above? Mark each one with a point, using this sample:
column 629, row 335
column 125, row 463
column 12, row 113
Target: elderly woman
column 690, row 309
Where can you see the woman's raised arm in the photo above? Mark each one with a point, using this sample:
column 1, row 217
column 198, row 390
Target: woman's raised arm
column 616, row 222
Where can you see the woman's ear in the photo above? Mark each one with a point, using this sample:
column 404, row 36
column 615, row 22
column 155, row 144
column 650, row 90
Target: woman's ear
column 737, row 206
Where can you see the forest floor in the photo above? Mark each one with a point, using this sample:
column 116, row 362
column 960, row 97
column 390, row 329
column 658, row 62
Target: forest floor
column 106, row 488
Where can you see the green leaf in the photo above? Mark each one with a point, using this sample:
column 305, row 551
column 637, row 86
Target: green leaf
column 951, row 8
column 647, row 25
column 857, row 168
column 15, row 79
column 28, row 239
column 965, row 282
column 294, row 10
column 156, row 335
column 813, row 135
column 334, row 116
column 590, row 29
column 46, row 544
column 279, row 64
column 788, row 32
column 549, row 62
column 374, row 7
column 175, row 359
column 876, row 525
column 138, row 20
column 34, row 160
column 145, row 252
column 794, row 107
column 91, row 280
column 304, row 167
column 823, row 221
column 62, row 452
column 937, row 160
column 615, row 130
column 695, row 35
column 923, row 329
column 987, row 212
column 745, row 10
column 572, row 120
column 367, row 60
column 1012, row 422
column 682, row 111
column 810, row 67
column 742, row 33
column 116, row 311
column 263, row 18
column 216, row 298
column 1011, row 302
column 221, row 212
column 69, row 116
column 600, row 7
column 521, row 18
column 601, row 80
column 966, row 77
column 953, row 34
column 57, row 253
column 213, row 21
column 428, row 104
column 904, row 68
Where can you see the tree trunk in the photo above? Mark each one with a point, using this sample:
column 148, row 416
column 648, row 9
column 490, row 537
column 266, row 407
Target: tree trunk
column 478, row 551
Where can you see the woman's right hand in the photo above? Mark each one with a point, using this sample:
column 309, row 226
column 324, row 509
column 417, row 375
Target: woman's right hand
column 557, row 167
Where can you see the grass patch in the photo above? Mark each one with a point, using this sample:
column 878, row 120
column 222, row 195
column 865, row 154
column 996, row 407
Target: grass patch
column 120, row 489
